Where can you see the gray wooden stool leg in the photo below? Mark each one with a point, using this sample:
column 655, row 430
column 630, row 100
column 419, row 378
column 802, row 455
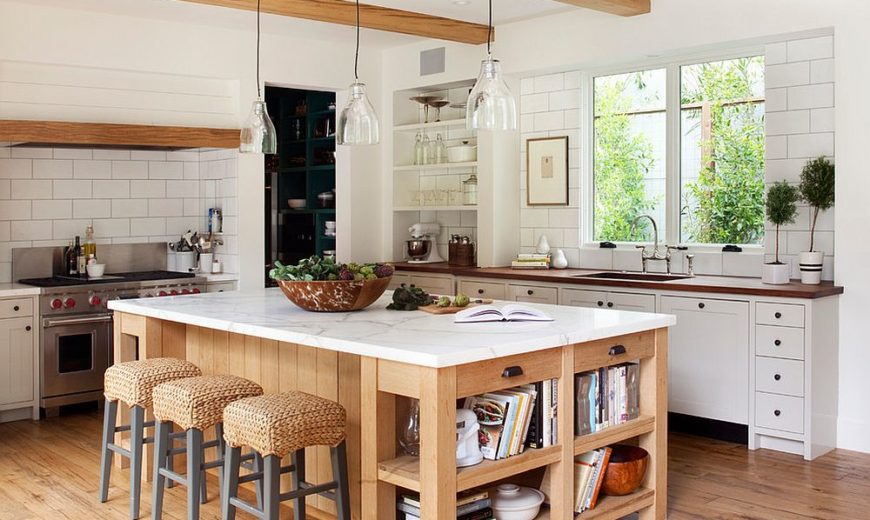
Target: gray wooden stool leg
column 161, row 461
column 271, row 487
column 194, row 472
column 109, row 420
column 232, row 465
column 297, row 459
column 339, row 474
column 258, row 466
column 137, row 434
column 170, row 462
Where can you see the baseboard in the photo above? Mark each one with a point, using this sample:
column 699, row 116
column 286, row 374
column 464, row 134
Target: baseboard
column 710, row 428
column 853, row 435
column 20, row 414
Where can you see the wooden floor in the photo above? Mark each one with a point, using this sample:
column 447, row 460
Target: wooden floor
column 50, row 470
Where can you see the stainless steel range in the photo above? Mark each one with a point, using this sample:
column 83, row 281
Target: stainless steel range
column 76, row 327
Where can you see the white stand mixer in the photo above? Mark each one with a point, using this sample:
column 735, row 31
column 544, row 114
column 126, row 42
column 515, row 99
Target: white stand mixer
column 422, row 248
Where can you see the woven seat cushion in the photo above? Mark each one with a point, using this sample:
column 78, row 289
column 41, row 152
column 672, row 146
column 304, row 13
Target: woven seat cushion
column 132, row 382
column 199, row 402
column 280, row 424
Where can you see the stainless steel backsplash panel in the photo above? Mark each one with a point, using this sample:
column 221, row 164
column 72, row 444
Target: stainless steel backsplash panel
column 38, row 262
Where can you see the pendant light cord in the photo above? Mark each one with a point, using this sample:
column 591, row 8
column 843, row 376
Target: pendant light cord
column 259, row 92
column 488, row 32
column 356, row 56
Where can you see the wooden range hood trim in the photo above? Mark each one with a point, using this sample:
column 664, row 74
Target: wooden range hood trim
column 617, row 7
column 113, row 134
column 371, row 17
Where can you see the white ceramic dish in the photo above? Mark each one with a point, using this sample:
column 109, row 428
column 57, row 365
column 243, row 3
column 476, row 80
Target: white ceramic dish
column 297, row 203
column 96, row 270
column 512, row 502
column 462, row 153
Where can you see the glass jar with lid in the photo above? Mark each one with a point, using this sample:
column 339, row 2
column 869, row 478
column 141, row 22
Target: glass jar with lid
column 469, row 190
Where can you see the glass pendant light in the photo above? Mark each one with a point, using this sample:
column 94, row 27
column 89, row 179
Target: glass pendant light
column 490, row 103
column 258, row 134
column 358, row 123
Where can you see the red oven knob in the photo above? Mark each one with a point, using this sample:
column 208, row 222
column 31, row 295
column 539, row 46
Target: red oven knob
column 185, row 291
column 69, row 303
column 196, row 290
column 94, row 300
column 56, row 304
column 162, row 293
column 173, row 292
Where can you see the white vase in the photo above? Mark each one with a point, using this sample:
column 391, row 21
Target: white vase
column 559, row 260
column 775, row 274
column 811, row 263
column 543, row 245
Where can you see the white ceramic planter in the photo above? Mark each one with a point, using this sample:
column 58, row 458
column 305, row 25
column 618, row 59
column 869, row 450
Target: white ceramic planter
column 811, row 266
column 775, row 274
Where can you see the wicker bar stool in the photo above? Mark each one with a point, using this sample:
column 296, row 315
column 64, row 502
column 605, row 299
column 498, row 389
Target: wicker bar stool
column 275, row 426
column 195, row 404
column 132, row 383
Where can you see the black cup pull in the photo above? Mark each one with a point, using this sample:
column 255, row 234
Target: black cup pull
column 530, row 292
column 777, row 342
column 777, row 377
column 609, row 305
column 600, row 303
column 776, row 413
column 512, row 371
column 616, row 350
column 480, row 291
column 701, row 305
column 27, row 328
column 16, row 308
column 778, row 315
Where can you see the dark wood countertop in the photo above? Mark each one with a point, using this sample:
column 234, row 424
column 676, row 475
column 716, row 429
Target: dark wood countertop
column 705, row 284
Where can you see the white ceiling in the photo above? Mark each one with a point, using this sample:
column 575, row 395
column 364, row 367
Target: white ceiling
column 476, row 10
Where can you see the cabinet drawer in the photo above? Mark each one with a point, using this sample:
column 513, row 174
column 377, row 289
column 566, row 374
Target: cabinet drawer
column 583, row 298
column 782, row 314
column 631, row 302
column 779, row 342
column 779, row 412
column 492, row 290
column 220, row 287
column 433, row 284
column 611, row 351
column 534, row 294
column 397, row 280
column 779, row 376
column 14, row 308
column 494, row 374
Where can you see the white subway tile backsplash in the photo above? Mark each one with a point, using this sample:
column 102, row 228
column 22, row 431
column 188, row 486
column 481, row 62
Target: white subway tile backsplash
column 73, row 153
column 52, row 209
column 129, row 208
column 191, row 171
column 165, row 170
column 534, row 217
column 564, row 99
column 31, row 152
column 595, row 258
column 92, row 169
column 534, row 103
column 5, row 152
column 182, row 155
column 776, row 53
column 112, row 189
column 147, row 155
column 811, row 48
column 72, row 189
column 92, row 208
column 111, row 227
column 811, row 145
column 30, row 189
column 776, row 147
column 31, row 230
column 822, row 120
column 775, row 100
column 564, row 218
column 822, row 71
column 527, row 86
column 811, row 96
column 129, row 170
column 16, row 168
column 785, row 123
column 788, row 170
column 15, row 210
column 742, row 264
column 549, row 83
column 147, row 189
column 148, row 226
column 69, row 229
column 181, row 189
column 787, row 75
column 112, row 155
column 708, row 263
column 165, row 207
column 5, row 188
column 545, row 121
column 193, row 207
column 626, row 260
column 52, row 169
column 177, row 225
column 5, row 231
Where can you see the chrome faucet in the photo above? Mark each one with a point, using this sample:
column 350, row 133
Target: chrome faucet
column 655, row 254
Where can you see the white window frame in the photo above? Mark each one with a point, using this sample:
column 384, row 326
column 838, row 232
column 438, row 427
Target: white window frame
column 672, row 66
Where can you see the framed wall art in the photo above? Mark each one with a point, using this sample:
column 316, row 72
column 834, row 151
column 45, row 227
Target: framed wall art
column 547, row 171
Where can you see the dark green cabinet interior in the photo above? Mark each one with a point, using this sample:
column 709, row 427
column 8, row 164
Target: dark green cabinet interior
column 303, row 168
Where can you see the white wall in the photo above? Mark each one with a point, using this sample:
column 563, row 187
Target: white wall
column 176, row 63
column 585, row 39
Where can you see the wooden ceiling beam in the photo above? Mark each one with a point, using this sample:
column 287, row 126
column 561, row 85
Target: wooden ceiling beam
column 109, row 134
column 371, row 17
column 618, row 7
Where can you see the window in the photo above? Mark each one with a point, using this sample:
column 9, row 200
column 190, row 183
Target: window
column 701, row 178
column 629, row 159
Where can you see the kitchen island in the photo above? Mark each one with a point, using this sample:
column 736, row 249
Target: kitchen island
column 373, row 361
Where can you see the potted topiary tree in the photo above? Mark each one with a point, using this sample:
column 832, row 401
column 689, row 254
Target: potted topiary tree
column 781, row 208
column 817, row 189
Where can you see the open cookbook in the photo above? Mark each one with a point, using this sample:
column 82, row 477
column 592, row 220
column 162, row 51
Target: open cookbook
column 511, row 312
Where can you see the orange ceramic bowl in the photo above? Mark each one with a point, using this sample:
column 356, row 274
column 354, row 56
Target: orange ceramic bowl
column 334, row 296
column 625, row 471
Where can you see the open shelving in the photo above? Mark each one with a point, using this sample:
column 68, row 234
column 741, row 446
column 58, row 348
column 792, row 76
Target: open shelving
column 445, row 123
column 435, row 167
column 435, row 208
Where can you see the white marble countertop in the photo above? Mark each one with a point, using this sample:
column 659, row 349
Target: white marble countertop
column 8, row 290
column 409, row 337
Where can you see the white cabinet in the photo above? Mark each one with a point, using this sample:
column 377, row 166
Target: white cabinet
column 434, row 284
column 708, row 358
column 478, row 289
column 19, row 361
column 608, row 300
column 220, row 286
column 533, row 294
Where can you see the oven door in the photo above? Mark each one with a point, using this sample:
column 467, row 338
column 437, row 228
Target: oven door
column 76, row 351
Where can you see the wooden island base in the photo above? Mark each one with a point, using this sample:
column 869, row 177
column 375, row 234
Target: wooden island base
column 375, row 392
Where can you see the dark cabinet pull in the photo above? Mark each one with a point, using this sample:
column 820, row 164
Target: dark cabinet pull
column 777, row 377
column 616, row 350
column 609, row 305
column 530, row 292
column 513, row 371
column 27, row 328
column 701, row 305
column 778, row 315
column 776, row 413
column 777, row 342
column 601, row 304
column 16, row 308
column 480, row 291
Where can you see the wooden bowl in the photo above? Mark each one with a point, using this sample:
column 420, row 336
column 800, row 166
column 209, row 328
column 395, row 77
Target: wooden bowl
column 334, row 296
column 625, row 471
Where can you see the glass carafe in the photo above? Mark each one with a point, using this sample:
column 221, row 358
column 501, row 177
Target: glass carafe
column 440, row 150
column 409, row 435
column 418, row 149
